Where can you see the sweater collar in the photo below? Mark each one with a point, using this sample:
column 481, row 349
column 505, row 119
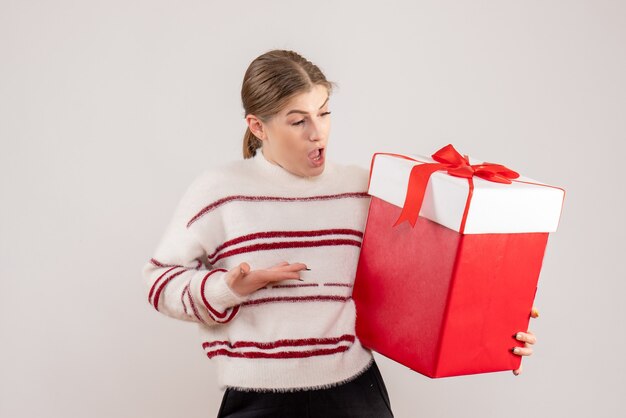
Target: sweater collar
column 285, row 177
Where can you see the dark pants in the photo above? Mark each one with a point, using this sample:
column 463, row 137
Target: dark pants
column 363, row 397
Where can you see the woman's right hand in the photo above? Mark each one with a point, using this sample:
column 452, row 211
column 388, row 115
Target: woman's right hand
column 244, row 281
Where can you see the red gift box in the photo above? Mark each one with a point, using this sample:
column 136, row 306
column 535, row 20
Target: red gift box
column 444, row 293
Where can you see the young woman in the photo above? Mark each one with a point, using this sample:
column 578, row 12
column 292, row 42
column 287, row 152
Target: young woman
column 262, row 254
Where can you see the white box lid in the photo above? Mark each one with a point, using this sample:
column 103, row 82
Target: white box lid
column 525, row 205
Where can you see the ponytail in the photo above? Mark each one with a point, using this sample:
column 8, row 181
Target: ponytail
column 250, row 144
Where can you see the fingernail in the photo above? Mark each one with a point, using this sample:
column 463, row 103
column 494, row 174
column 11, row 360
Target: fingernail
column 515, row 372
column 516, row 350
column 301, row 280
column 518, row 336
column 307, row 269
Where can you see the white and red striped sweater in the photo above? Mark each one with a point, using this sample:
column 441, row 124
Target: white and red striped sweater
column 289, row 336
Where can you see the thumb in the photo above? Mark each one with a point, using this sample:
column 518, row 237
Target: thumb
column 243, row 269
column 237, row 273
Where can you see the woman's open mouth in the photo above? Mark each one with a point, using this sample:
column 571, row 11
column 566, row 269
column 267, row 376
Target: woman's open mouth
column 317, row 157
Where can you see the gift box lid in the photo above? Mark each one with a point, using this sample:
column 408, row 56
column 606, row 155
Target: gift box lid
column 524, row 205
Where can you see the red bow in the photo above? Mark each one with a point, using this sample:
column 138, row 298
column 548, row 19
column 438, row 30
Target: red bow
column 457, row 165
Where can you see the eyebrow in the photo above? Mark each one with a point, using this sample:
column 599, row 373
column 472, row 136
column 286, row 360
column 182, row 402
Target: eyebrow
column 302, row 111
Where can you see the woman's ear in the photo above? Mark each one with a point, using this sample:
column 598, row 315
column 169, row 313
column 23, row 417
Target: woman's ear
column 256, row 127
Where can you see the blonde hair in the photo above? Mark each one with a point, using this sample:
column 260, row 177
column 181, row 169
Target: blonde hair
column 270, row 81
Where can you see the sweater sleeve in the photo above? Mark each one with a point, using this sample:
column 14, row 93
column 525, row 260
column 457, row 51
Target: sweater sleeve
column 179, row 284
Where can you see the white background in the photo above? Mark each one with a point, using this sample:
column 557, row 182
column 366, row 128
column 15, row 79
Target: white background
column 108, row 109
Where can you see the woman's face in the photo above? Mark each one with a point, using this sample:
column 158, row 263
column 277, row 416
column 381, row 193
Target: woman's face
column 293, row 137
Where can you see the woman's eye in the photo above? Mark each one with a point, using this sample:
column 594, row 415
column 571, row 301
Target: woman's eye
column 300, row 122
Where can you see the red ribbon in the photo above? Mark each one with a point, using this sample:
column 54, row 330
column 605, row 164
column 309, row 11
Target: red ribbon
column 455, row 164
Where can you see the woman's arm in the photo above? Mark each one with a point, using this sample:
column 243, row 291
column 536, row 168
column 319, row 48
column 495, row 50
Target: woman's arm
column 179, row 285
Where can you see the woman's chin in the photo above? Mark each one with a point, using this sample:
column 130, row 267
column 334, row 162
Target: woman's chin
column 316, row 170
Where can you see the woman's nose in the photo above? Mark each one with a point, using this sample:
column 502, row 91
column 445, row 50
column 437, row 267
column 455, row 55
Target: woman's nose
column 314, row 132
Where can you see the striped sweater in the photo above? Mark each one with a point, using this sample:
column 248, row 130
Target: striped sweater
column 292, row 335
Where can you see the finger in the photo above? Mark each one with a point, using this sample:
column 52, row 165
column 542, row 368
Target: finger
column 522, row 351
column 527, row 337
column 517, row 372
column 292, row 267
column 534, row 313
column 287, row 275
column 274, row 275
column 282, row 263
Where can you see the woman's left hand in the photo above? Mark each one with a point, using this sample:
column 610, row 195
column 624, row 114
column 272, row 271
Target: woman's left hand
column 528, row 338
